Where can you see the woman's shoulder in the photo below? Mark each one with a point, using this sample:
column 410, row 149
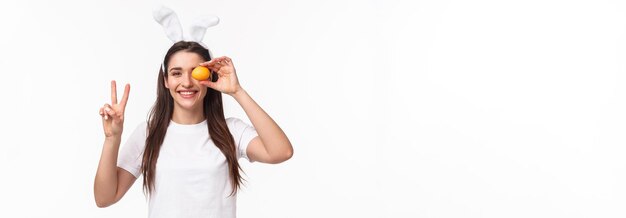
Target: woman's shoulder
column 232, row 119
column 236, row 123
column 136, row 138
column 142, row 125
column 140, row 129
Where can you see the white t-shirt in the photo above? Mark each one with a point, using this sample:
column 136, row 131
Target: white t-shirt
column 192, row 178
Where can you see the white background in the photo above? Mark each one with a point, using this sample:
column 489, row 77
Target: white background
column 395, row 109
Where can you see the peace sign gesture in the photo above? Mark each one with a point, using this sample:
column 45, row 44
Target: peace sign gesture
column 113, row 114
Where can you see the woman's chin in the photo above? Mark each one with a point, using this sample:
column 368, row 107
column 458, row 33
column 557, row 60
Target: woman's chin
column 189, row 104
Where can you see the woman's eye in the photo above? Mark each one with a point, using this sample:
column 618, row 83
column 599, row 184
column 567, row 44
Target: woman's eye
column 175, row 73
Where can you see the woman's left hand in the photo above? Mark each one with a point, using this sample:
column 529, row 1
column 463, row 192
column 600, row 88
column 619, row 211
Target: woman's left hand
column 227, row 81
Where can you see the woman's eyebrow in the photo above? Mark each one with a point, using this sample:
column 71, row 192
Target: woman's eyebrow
column 176, row 68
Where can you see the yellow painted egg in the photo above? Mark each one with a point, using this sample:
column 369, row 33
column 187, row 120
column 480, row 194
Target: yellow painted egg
column 201, row 73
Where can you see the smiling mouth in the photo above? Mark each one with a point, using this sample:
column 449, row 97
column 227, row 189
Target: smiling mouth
column 187, row 93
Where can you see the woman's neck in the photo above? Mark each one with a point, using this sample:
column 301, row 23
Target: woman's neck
column 184, row 116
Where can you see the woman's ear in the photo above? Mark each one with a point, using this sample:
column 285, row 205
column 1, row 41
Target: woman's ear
column 165, row 82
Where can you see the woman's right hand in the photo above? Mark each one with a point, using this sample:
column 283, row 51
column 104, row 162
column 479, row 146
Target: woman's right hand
column 113, row 114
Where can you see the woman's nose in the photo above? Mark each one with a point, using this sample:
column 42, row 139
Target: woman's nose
column 187, row 80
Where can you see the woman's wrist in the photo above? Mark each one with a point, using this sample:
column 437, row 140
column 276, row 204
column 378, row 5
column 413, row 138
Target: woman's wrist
column 113, row 138
column 238, row 93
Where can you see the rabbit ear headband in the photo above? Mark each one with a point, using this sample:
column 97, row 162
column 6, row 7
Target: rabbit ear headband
column 174, row 31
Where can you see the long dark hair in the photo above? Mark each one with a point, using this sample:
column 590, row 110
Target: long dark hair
column 161, row 114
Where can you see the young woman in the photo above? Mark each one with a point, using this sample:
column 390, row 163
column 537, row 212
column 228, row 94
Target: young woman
column 187, row 151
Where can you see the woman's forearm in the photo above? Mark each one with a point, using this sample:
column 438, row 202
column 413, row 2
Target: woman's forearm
column 105, row 183
column 274, row 139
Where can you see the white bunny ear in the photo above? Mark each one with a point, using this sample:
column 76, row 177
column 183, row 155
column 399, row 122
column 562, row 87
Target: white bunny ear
column 198, row 28
column 169, row 20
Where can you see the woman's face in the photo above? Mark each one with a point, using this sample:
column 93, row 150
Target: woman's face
column 188, row 94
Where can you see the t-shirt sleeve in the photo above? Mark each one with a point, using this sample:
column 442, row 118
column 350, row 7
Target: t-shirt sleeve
column 243, row 133
column 131, row 154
